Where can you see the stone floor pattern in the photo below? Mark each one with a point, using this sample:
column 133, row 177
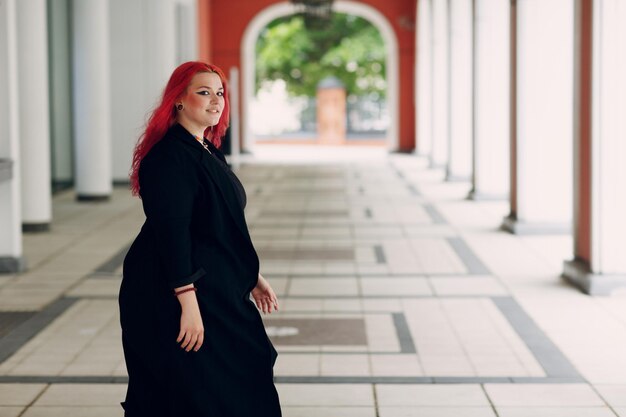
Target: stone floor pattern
column 399, row 297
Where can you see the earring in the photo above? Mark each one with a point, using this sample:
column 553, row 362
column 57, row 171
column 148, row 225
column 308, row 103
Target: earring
column 179, row 107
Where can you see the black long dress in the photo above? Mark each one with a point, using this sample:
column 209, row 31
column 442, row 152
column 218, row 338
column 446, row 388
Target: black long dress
column 195, row 232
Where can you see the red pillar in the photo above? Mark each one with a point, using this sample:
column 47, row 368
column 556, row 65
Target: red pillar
column 204, row 30
column 579, row 268
column 407, row 102
column 582, row 245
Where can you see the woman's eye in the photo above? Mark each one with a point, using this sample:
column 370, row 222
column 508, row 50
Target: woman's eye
column 203, row 93
column 220, row 93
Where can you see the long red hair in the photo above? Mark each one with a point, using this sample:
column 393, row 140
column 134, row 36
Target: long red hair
column 164, row 115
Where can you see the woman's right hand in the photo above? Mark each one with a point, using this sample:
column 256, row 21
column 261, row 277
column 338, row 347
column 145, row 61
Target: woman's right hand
column 191, row 335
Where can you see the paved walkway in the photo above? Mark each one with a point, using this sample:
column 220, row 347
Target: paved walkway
column 398, row 298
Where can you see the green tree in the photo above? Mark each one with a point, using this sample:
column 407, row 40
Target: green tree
column 349, row 48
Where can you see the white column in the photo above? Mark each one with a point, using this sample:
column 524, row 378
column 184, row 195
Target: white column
column 159, row 47
column 599, row 266
column 187, row 31
column 460, row 152
column 424, row 94
column 491, row 99
column 144, row 40
column 32, row 50
column 440, row 79
column 11, row 259
column 91, row 89
column 543, row 141
column 235, row 119
column 130, row 105
column 60, row 75
column 609, row 137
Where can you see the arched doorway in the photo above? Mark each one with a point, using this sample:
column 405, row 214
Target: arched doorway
column 267, row 15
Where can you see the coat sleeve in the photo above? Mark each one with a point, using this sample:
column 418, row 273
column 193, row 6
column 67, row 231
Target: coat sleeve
column 168, row 186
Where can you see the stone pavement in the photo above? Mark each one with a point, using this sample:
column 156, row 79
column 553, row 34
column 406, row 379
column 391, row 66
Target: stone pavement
column 399, row 297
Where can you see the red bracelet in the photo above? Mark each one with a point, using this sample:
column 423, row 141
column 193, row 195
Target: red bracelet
column 177, row 293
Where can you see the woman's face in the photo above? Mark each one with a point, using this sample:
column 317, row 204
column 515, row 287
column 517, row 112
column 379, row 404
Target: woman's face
column 203, row 101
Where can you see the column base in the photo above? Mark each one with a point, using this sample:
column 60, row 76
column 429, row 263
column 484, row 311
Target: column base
column 35, row 227
column 518, row 227
column 458, row 178
column 6, row 170
column 435, row 165
column 9, row 264
column 58, row 186
column 578, row 273
column 403, row 151
column 92, row 198
column 480, row 196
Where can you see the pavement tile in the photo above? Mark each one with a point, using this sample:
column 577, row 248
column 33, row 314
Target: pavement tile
column 614, row 395
column 455, row 395
column 555, row 412
column 329, row 412
column 19, row 394
column 543, row 395
column 55, row 411
column 82, row 395
column 436, row 412
column 328, row 395
column 10, row 411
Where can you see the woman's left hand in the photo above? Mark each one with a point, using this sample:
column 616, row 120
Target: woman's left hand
column 264, row 296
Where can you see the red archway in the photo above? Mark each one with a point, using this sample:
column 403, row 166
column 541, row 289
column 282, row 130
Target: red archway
column 222, row 24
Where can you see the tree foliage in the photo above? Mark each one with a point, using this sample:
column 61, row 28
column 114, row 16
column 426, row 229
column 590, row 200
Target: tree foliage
column 350, row 48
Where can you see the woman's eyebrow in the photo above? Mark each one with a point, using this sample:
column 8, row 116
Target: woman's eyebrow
column 209, row 88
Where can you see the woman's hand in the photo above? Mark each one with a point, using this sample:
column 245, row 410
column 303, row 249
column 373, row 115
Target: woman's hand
column 191, row 335
column 264, row 296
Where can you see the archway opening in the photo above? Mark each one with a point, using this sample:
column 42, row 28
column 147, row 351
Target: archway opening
column 281, row 81
column 324, row 84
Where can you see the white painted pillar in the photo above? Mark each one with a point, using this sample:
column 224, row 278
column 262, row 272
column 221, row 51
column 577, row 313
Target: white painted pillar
column 60, row 76
column 599, row 264
column 11, row 252
column 460, row 151
column 129, row 104
column 440, row 80
column 159, row 47
column 144, row 39
column 424, row 94
column 235, row 119
column 187, row 31
column 491, row 99
column 32, row 51
column 91, row 99
column 542, row 143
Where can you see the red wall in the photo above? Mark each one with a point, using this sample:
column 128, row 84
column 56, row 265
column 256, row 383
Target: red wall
column 228, row 20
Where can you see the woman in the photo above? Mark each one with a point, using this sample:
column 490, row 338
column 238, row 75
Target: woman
column 194, row 342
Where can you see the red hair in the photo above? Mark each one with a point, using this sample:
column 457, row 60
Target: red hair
column 164, row 115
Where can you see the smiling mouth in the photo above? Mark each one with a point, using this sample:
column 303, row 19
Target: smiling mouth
column 213, row 111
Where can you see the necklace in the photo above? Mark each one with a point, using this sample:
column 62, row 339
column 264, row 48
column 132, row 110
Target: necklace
column 205, row 146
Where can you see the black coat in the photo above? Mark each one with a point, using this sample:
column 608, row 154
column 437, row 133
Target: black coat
column 195, row 231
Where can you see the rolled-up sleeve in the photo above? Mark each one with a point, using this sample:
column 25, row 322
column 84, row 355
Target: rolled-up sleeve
column 168, row 188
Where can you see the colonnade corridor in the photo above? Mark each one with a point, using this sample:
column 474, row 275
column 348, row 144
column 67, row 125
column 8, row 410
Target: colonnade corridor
column 398, row 297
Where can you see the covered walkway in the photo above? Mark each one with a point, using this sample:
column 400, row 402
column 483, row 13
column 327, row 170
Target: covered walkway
column 399, row 297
